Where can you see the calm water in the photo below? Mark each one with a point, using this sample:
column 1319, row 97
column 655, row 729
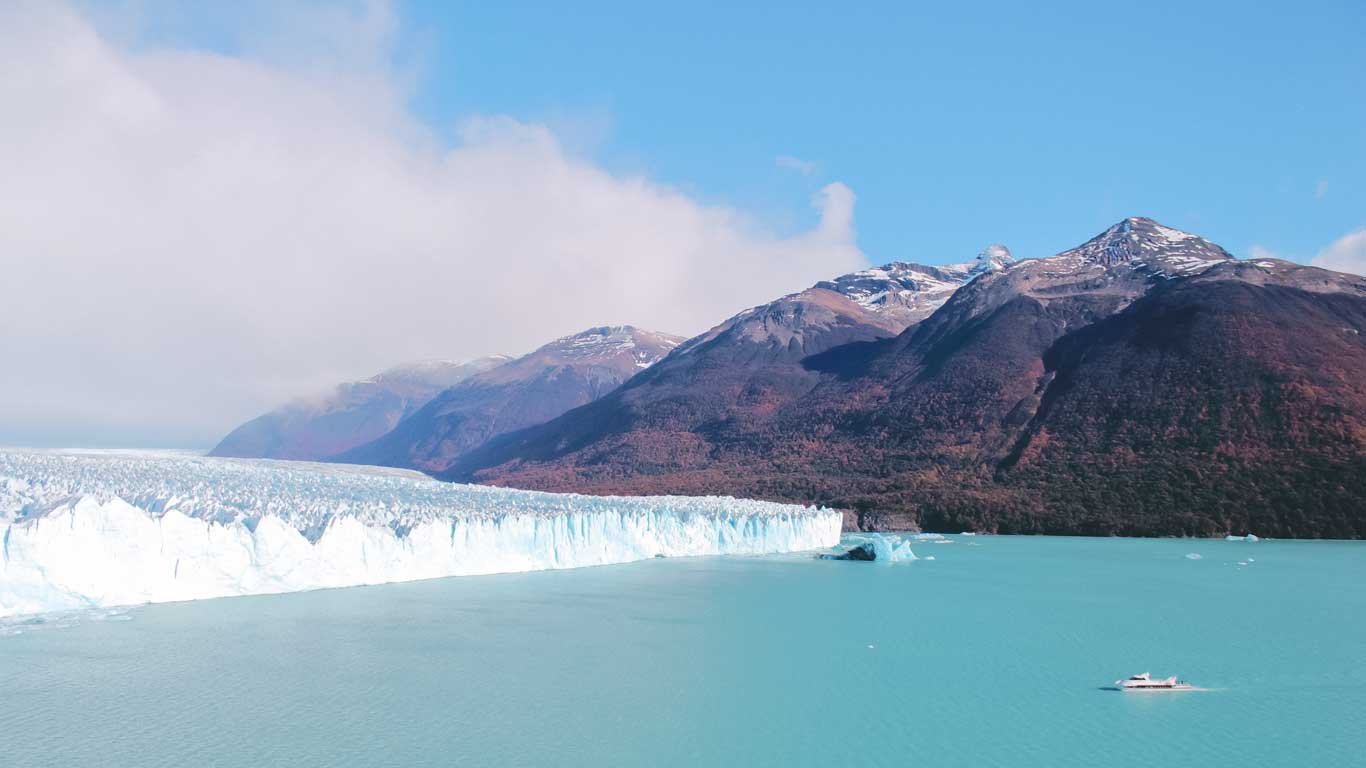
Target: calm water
column 992, row 654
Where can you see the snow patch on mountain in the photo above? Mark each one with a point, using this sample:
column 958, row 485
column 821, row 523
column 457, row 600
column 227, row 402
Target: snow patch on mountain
column 913, row 291
column 1144, row 244
column 645, row 348
column 993, row 258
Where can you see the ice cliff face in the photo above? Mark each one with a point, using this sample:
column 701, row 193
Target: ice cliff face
column 85, row 530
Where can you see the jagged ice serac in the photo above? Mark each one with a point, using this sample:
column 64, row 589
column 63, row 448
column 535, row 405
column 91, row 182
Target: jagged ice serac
column 97, row 529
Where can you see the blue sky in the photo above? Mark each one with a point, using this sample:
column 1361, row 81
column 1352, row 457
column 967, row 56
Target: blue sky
column 954, row 123
column 238, row 204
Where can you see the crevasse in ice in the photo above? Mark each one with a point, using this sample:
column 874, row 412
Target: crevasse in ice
column 93, row 529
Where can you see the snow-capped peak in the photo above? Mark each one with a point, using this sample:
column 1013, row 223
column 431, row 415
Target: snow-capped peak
column 910, row 292
column 610, row 341
column 1141, row 241
column 993, row 258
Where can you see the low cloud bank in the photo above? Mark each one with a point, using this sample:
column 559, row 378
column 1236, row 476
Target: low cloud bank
column 189, row 238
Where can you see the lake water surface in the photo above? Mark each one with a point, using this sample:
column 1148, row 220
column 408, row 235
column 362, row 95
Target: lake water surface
column 994, row 653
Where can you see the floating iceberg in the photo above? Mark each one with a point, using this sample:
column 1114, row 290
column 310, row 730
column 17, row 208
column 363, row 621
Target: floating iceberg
column 892, row 549
column 1248, row 537
column 94, row 529
column 877, row 547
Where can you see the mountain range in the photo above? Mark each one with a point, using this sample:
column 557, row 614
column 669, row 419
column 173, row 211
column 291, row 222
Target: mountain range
column 564, row 374
column 352, row 414
column 1145, row 382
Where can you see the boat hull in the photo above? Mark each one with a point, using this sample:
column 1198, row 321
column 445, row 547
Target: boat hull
column 1156, row 688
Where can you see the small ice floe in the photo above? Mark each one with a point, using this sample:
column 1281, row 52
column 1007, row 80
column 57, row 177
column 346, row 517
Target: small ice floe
column 1194, row 556
column 1248, row 537
column 33, row 622
column 1242, row 562
column 870, row 646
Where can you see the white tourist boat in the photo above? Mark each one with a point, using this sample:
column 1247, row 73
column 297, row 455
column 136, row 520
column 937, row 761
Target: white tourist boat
column 1145, row 682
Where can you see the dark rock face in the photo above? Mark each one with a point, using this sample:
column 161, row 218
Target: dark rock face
column 1145, row 383
column 352, row 414
column 862, row 552
column 564, row 374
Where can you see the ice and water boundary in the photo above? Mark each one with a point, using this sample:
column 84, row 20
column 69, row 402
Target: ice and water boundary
column 91, row 530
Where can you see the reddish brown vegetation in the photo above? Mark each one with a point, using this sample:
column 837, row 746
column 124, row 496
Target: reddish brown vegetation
column 1210, row 405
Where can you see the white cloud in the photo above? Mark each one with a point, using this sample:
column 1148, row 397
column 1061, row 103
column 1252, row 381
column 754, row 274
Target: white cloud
column 189, row 238
column 1345, row 254
column 1258, row 252
column 788, row 162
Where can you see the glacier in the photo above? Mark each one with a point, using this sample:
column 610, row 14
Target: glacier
column 93, row 529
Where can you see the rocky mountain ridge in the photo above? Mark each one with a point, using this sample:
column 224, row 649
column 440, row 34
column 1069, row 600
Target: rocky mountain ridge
column 563, row 374
column 353, row 413
column 1145, row 382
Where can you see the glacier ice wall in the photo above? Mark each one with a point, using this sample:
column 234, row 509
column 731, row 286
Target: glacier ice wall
column 94, row 529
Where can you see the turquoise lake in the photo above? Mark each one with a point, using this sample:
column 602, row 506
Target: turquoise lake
column 995, row 653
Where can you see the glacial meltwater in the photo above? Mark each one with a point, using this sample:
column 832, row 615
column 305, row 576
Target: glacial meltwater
column 997, row 652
